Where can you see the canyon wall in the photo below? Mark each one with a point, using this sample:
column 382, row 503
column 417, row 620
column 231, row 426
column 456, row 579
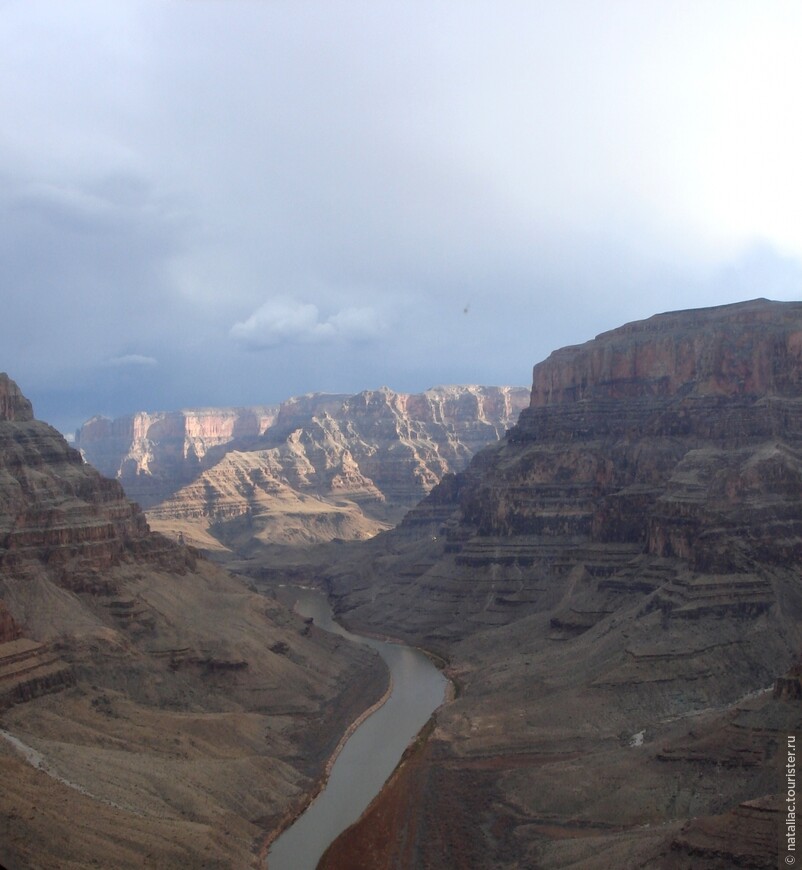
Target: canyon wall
column 153, row 454
column 315, row 468
column 153, row 709
column 615, row 586
column 755, row 349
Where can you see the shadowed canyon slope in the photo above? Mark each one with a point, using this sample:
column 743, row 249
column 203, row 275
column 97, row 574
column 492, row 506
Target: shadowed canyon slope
column 154, row 711
column 315, row 468
column 616, row 586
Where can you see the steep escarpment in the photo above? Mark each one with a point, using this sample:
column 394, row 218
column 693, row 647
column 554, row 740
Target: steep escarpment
column 316, row 468
column 153, row 710
column 616, row 587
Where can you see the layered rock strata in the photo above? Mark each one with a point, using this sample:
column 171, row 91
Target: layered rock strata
column 316, row 468
column 609, row 581
column 153, row 710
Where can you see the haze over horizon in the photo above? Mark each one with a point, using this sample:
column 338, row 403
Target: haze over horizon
column 229, row 203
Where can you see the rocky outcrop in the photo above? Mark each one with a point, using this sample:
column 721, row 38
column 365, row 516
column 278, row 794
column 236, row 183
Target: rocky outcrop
column 178, row 714
column 9, row 630
column 29, row 669
column 744, row 837
column 58, row 512
column 624, row 561
column 13, row 405
column 317, row 467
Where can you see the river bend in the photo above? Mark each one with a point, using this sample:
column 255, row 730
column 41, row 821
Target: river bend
column 371, row 753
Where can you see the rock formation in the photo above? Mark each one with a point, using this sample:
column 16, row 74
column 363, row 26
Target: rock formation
column 616, row 588
column 317, row 467
column 13, row 405
column 153, row 710
column 153, row 455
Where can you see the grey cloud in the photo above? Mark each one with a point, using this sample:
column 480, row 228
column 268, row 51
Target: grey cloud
column 556, row 168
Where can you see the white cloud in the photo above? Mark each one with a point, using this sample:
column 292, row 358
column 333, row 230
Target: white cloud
column 281, row 320
column 357, row 323
column 278, row 321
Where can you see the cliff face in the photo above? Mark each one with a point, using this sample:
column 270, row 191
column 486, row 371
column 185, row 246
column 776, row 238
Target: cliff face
column 318, row 467
column 615, row 583
column 174, row 713
column 152, row 455
column 755, row 349
column 57, row 511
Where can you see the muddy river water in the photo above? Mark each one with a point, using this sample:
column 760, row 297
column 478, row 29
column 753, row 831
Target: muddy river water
column 372, row 751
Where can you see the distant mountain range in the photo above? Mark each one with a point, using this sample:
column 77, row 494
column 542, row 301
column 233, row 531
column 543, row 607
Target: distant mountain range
column 311, row 469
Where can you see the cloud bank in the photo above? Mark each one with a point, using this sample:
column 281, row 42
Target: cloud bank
column 554, row 168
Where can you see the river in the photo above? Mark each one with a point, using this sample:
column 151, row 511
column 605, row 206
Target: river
column 372, row 751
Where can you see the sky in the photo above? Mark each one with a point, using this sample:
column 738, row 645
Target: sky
column 229, row 203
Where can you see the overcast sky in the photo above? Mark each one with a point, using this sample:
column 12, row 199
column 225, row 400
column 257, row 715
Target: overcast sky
column 227, row 203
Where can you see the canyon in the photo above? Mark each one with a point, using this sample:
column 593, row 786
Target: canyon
column 611, row 584
column 313, row 469
column 615, row 589
column 154, row 710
